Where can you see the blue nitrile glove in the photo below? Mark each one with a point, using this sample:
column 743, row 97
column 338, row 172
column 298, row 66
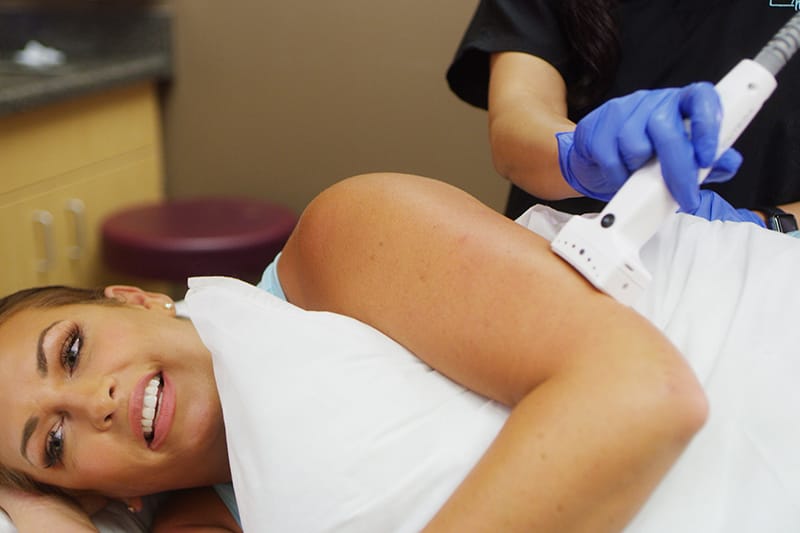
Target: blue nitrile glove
column 713, row 207
column 725, row 167
column 621, row 135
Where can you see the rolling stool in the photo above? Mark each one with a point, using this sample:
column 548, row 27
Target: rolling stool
column 173, row 240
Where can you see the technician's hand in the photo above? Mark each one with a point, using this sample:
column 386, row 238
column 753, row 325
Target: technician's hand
column 620, row 136
column 713, row 207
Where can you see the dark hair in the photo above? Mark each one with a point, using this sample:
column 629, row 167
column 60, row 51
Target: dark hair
column 593, row 36
column 41, row 297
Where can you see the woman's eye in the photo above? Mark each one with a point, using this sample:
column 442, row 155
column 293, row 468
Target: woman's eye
column 54, row 446
column 71, row 351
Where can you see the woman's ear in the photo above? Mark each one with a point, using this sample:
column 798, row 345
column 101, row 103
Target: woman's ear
column 125, row 293
column 136, row 296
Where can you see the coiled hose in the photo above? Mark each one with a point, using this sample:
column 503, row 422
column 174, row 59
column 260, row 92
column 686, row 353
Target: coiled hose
column 781, row 47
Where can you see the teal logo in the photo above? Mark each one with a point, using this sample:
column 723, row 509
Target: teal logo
column 785, row 3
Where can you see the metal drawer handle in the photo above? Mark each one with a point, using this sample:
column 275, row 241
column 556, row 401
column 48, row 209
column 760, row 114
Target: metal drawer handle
column 45, row 220
column 78, row 210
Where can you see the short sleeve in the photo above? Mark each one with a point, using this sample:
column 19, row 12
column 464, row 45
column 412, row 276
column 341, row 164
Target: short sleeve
column 531, row 26
column 225, row 493
column 270, row 282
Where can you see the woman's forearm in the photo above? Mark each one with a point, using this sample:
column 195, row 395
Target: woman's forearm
column 582, row 452
column 527, row 107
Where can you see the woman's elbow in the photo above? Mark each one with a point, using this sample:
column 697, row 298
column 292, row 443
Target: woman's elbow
column 505, row 160
column 679, row 404
column 643, row 379
column 651, row 370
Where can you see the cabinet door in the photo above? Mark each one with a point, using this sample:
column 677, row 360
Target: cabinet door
column 135, row 179
column 9, row 264
column 66, row 167
column 33, row 246
column 57, row 238
column 40, row 144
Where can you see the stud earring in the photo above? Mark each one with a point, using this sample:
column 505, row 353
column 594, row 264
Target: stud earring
column 168, row 306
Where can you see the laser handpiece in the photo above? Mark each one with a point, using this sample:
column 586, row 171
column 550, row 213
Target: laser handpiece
column 605, row 249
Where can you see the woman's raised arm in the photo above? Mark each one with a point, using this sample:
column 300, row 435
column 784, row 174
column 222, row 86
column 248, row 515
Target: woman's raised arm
column 602, row 404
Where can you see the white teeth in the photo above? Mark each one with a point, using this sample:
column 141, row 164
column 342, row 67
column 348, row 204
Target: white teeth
column 150, row 405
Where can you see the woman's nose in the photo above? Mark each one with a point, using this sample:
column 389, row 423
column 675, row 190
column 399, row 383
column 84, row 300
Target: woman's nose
column 95, row 400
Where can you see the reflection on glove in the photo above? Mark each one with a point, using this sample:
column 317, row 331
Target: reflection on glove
column 620, row 136
column 713, row 207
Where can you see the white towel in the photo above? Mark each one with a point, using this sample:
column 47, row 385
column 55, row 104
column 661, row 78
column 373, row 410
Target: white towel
column 332, row 426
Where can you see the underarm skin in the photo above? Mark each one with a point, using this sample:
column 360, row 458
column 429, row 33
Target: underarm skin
column 602, row 404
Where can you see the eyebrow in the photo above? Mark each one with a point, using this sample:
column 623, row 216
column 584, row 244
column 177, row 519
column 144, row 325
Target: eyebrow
column 30, row 427
column 41, row 369
column 41, row 358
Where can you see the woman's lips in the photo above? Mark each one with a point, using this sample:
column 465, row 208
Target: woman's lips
column 165, row 410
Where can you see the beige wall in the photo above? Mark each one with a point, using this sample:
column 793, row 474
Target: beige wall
column 281, row 99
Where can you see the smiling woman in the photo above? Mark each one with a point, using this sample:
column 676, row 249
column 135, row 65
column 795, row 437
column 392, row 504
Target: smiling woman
column 132, row 400
column 76, row 366
column 39, row 297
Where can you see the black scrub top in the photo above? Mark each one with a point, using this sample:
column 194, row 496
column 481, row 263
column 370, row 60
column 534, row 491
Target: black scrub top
column 663, row 44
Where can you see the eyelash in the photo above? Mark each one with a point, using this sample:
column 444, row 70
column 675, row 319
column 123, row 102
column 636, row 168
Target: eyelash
column 71, row 350
column 70, row 356
column 54, row 446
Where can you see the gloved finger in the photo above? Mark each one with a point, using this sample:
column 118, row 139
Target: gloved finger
column 596, row 142
column 699, row 103
column 725, row 167
column 706, row 206
column 635, row 146
column 713, row 207
column 675, row 152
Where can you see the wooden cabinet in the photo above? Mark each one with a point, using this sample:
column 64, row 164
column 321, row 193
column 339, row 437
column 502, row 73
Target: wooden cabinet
column 63, row 168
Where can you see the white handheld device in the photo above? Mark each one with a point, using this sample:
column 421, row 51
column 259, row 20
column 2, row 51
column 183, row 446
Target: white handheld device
column 605, row 249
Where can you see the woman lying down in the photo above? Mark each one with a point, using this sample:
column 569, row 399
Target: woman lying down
column 552, row 408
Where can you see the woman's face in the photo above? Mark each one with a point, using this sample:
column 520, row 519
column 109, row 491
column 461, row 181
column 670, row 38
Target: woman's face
column 74, row 381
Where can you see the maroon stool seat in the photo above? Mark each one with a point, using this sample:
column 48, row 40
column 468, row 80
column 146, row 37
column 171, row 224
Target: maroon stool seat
column 176, row 239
